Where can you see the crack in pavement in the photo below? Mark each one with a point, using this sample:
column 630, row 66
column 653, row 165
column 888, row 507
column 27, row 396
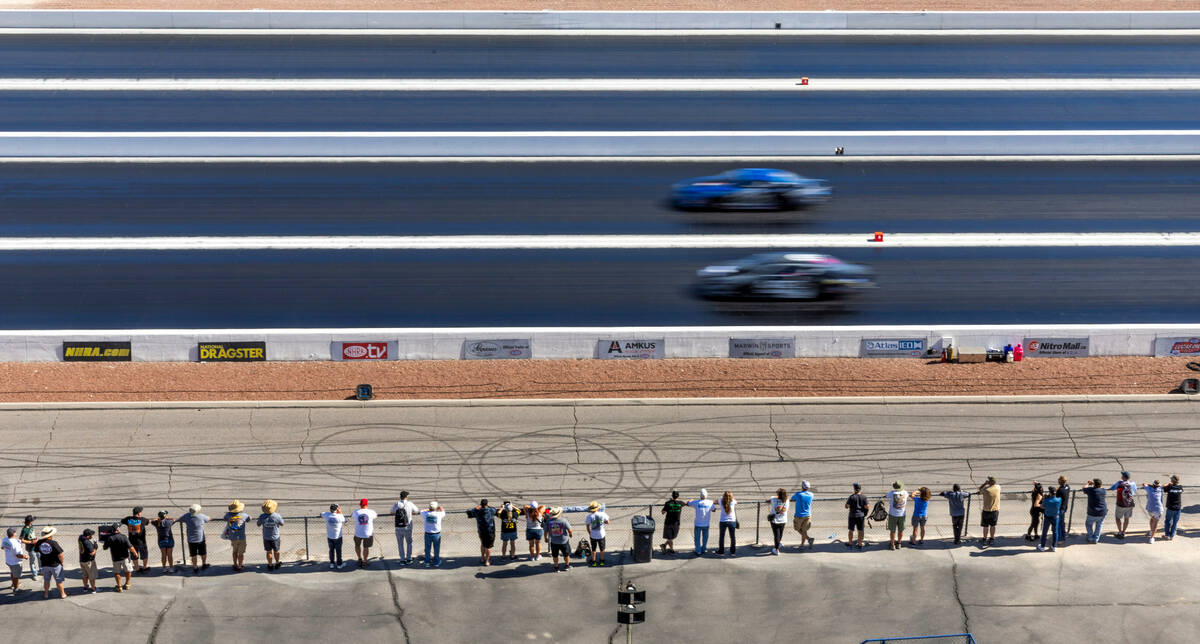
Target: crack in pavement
column 399, row 609
column 170, row 482
column 575, row 432
column 307, row 434
column 771, row 425
column 750, row 468
column 1062, row 416
column 53, row 425
column 966, row 620
column 250, row 426
column 162, row 614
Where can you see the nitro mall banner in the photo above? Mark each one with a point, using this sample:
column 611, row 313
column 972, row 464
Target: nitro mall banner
column 364, row 350
column 1176, row 347
column 1056, row 347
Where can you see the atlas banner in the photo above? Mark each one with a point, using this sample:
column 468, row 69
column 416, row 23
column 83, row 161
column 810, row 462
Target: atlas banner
column 892, row 348
column 762, row 348
column 497, row 349
column 1056, row 347
column 1177, row 346
column 232, row 351
column 631, row 349
column 98, row 351
column 365, row 350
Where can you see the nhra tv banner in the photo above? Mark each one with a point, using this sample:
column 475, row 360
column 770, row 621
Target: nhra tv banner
column 232, row 351
column 381, row 350
column 98, row 351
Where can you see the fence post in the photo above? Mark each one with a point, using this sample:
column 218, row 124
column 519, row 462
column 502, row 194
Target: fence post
column 967, row 517
column 1070, row 515
column 757, row 520
column 650, row 509
column 307, row 552
column 182, row 542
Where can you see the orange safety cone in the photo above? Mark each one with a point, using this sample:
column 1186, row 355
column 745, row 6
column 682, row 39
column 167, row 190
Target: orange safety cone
column 803, row 80
column 878, row 236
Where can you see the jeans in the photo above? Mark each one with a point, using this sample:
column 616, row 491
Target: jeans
column 433, row 544
column 957, row 522
column 731, row 527
column 404, row 540
column 1062, row 520
column 1170, row 522
column 777, row 532
column 1094, row 524
column 1050, row 525
column 700, row 538
column 34, row 565
column 335, row 550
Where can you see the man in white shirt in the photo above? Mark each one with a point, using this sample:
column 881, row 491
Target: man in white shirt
column 403, row 511
column 364, row 532
column 596, row 520
column 14, row 552
column 334, row 520
column 433, row 534
column 897, row 502
column 703, row 507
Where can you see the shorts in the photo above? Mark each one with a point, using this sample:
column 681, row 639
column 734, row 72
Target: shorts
column 271, row 545
column 487, row 539
column 855, row 523
column 140, row 546
column 198, row 549
column 1123, row 513
column 670, row 530
column 15, row 570
column 239, row 547
column 366, row 542
column 919, row 521
column 169, row 542
column 988, row 519
column 123, row 567
column 563, row 549
column 598, row 544
column 1155, row 515
column 88, row 570
column 801, row 524
column 55, row 572
column 508, row 536
column 895, row 523
column 533, row 534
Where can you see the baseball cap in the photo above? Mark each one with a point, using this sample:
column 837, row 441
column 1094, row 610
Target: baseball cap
column 804, row 485
column 483, row 502
column 333, row 506
column 88, row 532
column 858, row 486
column 1125, row 474
column 162, row 513
column 362, row 503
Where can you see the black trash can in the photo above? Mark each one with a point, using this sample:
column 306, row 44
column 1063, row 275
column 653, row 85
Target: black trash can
column 643, row 538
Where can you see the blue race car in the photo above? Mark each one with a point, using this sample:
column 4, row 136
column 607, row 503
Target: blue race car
column 750, row 189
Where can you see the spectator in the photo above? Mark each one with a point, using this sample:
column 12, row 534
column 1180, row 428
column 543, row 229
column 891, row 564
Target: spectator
column 235, row 531
column 1064, row 508
column 29, row 538
column 990, row 515
column 485, row 525
column 364, row 532
column 508, row 515
column 672, row 509
column 121, row 549
column 1126, row 500
column 136, row 525
column 433, row 534
column 897, row 501
column 87, row 560
column 802, row 520
column 14, row 552
column 856, row 505
column 1154, row 506
column 558, row 535
column 193, row 523
column 1035, row 511
column 596, row 520
column 166, row 541
column 1174, row 504
column 920, row 515
column 703, row 507
column 728, row 524
column 334, row 521
column 778, row 517
column 270, row 522
column 534, row 516
column 403, row 511
column 1051, row 506
column 1096, row 509
column 51, row 555
column 958, row 511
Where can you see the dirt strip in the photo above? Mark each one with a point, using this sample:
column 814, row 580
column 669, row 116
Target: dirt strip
column 144, row 381
column 616, row 5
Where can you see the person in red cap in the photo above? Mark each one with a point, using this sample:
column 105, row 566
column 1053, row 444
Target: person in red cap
column 364, row 532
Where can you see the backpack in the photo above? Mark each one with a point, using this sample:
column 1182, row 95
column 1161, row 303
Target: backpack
column 879, row 512
column 401, row 518
column 584, row 549
column 1125, row 495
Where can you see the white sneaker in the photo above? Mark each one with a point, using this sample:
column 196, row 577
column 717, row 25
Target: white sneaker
column 1151, row 539
column 332, row 566
column 774, row 551
column 342, row 565
column 1041, row 548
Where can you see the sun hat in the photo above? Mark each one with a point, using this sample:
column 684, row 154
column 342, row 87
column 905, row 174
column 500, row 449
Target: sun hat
column 593, row 506
column 194, row 508
column 49, row 531
column 897, row 485
column 237, row 506
column 269, row 506
column 555, row 512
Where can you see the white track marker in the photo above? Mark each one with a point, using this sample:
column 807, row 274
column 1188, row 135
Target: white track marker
column 599, row 84
column 576, row 242
column 828, row 158
column 774, row 34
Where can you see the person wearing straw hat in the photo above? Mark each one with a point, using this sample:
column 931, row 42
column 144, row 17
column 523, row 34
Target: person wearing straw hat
column 14, row 552
column 51, row 560
column 235, row 531
column 270, row 521
column 194, row 521
column 596, row 520
column 558, row 535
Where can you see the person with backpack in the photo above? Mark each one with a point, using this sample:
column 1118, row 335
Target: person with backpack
column 802, row 520
column 897, row 503
column 673, row 509
column 485, row 523
column 920, row 515
column 403, row 511
column 1126, row 501
column 958, row 512
column 508, row 530
column 1051, row 505
column 1154, row 506
column 1174, row 505
column 1097, row 508
column 235, row 532
column 856, row 506
column 778, row 517
column 703, row 507
column 990, row 515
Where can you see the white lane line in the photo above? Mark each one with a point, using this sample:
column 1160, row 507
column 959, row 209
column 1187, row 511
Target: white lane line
column 797, row 84
column 588, row 134
column 576, row 242
column 632, row 33
column 828, row 158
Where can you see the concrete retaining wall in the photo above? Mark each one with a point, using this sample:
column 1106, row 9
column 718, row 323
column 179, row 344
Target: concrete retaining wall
column 684, row 20
column 573, row 343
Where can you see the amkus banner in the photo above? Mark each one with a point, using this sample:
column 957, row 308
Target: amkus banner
column 630, row 349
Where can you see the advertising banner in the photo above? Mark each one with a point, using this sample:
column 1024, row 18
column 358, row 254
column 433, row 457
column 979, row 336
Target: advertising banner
column 364, row 350
column 98, row 351
column 892, row 348
column 1176, row 347
column 497, row 349
column 762, row 348
column 631, row 349
column 232, row 351
column 1056, row 347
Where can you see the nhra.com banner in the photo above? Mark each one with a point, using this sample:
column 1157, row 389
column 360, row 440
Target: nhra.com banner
column 98, row 351
column 1176, row 347
column 232, row 351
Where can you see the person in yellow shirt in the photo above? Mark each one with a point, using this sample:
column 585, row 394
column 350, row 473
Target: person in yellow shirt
column 991, row 511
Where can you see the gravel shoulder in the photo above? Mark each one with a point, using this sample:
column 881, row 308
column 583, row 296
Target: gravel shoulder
column 803, row 377
column 613, row 5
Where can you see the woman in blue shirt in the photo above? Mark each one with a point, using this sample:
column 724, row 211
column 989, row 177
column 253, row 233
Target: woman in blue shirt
column 919, row 516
